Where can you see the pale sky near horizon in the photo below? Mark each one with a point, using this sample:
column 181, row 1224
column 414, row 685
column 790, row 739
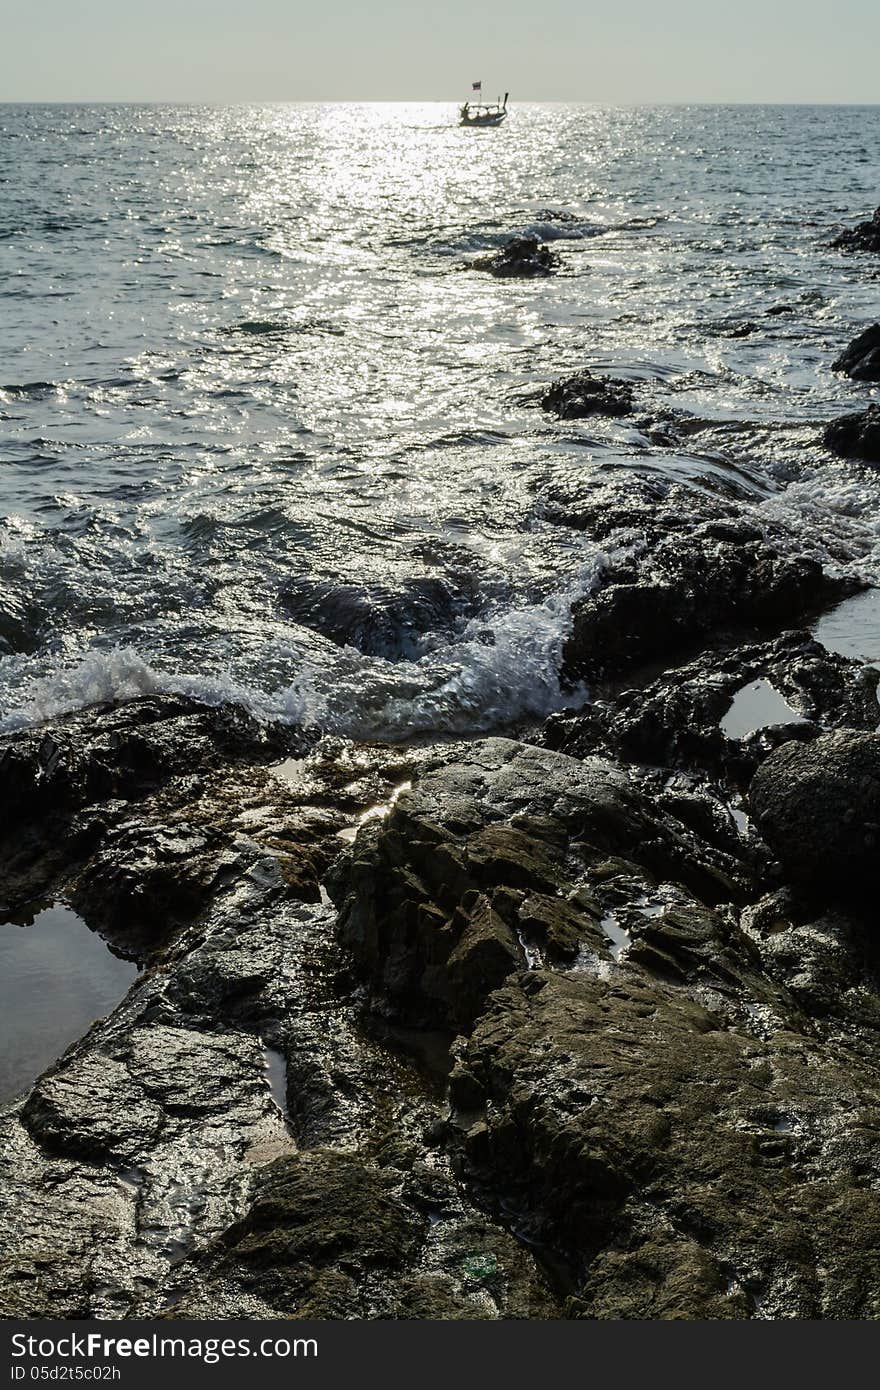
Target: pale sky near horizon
column 562, row 50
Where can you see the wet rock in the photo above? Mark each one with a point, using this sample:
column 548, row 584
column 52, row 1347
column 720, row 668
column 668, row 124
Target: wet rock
column 686, row 588
column 329, row 1235
column 522, row 256
column 395, row 622
column 675, row 721
column 825, row 961
column 582, row 395
column 745, row 329
column 146, row 879
column 20, row 622
column 141, row 1175
column 856, row 436
column 863, row 237
column 137, row 1146
column 127, row 810
column 681, row 1168
column 818, row 807
column 495, row 856
column 861, row 360
column 126, row 750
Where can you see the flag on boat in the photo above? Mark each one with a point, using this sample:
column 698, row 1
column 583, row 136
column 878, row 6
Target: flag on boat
column 477, row 86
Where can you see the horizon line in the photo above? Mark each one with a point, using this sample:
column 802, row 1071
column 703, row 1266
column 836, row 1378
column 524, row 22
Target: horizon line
column 415, row 101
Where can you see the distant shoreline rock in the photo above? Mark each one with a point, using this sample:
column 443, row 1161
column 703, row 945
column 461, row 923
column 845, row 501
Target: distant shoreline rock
column 579, row 396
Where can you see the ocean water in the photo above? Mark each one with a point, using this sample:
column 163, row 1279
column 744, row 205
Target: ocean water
column 245, row 380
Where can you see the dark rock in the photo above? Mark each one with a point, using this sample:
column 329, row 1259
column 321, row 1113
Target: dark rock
column 125, row 810
column 856, row 436
column 20, row 621
column 329, row 1235
column 322, row 1208
column 151, row 1172
column 818, row 807
column 686, row 588
column 495, row 854
column 584, row 394
column 863, row 237
column 381, row 620
column 521, row 256
column 742, row 330
column 126, row 750
column 665, row 1156
column 861, row 360
column 145, row 879
column 675, row 720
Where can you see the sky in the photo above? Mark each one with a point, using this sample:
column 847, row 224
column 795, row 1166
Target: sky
column 542, row 50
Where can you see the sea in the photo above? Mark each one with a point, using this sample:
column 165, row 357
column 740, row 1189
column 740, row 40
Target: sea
column 249, row 383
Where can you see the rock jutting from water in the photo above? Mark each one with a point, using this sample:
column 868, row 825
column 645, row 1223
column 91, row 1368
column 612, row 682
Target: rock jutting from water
column 856, row 436
column 861, row 360
column 865, row 236
column 522, row 256
column 579, row 396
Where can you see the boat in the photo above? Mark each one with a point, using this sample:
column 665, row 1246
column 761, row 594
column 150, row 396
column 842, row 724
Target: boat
column 482, row 113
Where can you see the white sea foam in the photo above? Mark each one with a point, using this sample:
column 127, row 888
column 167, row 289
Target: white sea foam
column 500, row 668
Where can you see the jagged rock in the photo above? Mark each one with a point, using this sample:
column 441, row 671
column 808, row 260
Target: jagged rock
column 497, row 850
column 681, row 588
column 856, row 436
column 521, row 256
column 578, row 396
column 861, row 360
column 863, row 237
column 818, row 807
column 675, row 720
column 681, row 1168
column 126, row 750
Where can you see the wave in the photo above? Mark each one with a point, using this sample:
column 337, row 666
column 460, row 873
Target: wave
column 501, row 668
column 29, row 390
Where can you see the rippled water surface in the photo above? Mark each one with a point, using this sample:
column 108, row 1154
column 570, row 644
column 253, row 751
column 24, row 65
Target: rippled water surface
column 246, row 380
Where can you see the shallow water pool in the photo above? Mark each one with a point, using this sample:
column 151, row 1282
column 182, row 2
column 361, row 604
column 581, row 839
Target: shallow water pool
column 56, row 978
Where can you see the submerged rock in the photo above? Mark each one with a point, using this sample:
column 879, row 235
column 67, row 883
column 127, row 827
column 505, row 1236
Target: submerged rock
column 818, row 807
column 582, row 395
column 856, row 436
column 390, row 621
column 521, row 256
column 861, row 360
column 863, row 237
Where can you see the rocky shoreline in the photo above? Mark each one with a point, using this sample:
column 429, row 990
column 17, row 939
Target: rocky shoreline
column 579, row 1020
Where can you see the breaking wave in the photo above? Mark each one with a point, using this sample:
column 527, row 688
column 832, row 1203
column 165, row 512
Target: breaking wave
column 500, row 669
